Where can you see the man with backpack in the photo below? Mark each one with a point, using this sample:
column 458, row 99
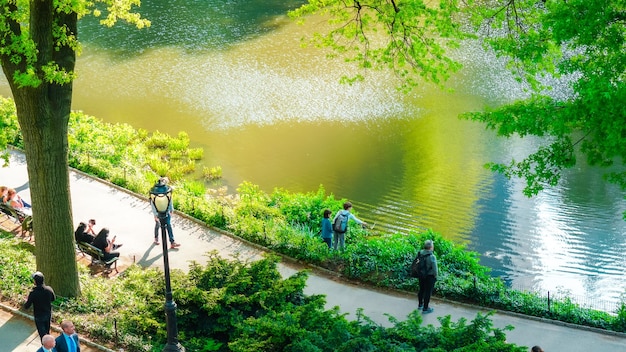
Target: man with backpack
column 340, row 225
column 425, row 269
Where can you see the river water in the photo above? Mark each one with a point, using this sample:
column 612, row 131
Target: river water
column 233, row 75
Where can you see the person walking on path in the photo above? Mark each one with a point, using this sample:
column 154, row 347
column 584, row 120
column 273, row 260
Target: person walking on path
column 41, row 298
column 340, row 225
column 427, row 282
column 68, row 340
column 47, row 344
column 327, row 228
column 163, row 181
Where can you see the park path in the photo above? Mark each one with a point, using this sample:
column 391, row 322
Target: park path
column 128, row 216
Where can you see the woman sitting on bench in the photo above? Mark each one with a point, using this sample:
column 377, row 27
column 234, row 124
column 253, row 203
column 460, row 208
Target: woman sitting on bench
column 16, row 202
column 105, row 245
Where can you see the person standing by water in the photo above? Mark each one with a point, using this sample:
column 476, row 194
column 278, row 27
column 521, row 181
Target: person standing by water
column 327, row 228
column 427, row 282
column 41, row 298
column 339, row 238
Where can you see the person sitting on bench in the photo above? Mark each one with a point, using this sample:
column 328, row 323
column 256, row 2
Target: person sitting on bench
column 80, row 235
column 16, row 202
column 90, row 224
column 105, row 245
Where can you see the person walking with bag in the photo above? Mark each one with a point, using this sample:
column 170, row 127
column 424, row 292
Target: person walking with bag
column 427, row 277
column 340, row 225
column 163, row 181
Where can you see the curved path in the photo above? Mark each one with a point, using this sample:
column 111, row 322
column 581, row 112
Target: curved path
column 129, row 217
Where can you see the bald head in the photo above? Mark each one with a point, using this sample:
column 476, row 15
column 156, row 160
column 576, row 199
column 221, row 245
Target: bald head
column 47, row 341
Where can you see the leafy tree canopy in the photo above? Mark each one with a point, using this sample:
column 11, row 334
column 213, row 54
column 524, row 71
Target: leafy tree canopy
column 576, row 40
column 407, row 37
column 582, row 41
column 38, row 49
column 34, row 59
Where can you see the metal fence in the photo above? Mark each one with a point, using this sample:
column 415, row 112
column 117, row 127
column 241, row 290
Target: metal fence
column 590, row 302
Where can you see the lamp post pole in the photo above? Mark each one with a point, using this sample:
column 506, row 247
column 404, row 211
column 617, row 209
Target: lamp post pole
column 161, row 198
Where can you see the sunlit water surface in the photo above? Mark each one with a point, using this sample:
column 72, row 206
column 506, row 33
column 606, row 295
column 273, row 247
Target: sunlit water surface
column 273, row 113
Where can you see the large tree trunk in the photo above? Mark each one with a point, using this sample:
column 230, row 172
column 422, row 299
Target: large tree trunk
column 43, row 113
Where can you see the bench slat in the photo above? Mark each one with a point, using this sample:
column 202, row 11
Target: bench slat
column 96, row 254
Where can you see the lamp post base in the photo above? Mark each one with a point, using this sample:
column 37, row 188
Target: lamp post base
column 174, row 348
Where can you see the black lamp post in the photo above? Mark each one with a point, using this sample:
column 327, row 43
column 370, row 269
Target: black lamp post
column 161, row 197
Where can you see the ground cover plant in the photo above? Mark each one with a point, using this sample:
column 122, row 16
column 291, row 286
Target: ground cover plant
column 232, row 305
column 288, row 223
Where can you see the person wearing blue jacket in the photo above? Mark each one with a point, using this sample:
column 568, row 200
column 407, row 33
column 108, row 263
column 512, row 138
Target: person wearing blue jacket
column 327, row 228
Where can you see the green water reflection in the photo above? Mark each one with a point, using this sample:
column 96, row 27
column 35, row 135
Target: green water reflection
column 192, row 25
column 234, row 76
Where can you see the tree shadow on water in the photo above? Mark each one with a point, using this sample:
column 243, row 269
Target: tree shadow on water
column 190, row 25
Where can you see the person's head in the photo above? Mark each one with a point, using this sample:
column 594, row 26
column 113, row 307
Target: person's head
column 327, row 213
column 92, row 222
column 68, row 327
column 11, row 193
column 163, row 180
column 347, row 206
column 38, row 278
column 536, row 349
column 3, row 190
column 429, row 245
column 48, row 342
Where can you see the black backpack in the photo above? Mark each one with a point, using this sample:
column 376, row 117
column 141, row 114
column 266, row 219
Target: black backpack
column 341, row 223
column 419, row 267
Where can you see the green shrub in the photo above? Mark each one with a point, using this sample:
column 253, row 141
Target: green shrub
column 287, row 222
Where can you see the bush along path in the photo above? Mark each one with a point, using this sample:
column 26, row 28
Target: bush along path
column 243, row 298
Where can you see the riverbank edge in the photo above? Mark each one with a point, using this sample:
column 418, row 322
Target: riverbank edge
column 332, row 274
column 300, row 265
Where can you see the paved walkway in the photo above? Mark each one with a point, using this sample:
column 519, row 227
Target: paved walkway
column 128, row 216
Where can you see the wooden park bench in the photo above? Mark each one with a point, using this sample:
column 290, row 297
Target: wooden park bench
column 97, row 256
column 24, row 221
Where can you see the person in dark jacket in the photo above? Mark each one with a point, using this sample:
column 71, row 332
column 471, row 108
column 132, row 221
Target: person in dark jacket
column 41, row 298
column 68, row 340
column 427, row 283
column 105, row 245
column 81, row 235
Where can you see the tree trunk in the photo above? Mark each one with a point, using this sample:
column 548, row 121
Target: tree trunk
column 43, row 113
